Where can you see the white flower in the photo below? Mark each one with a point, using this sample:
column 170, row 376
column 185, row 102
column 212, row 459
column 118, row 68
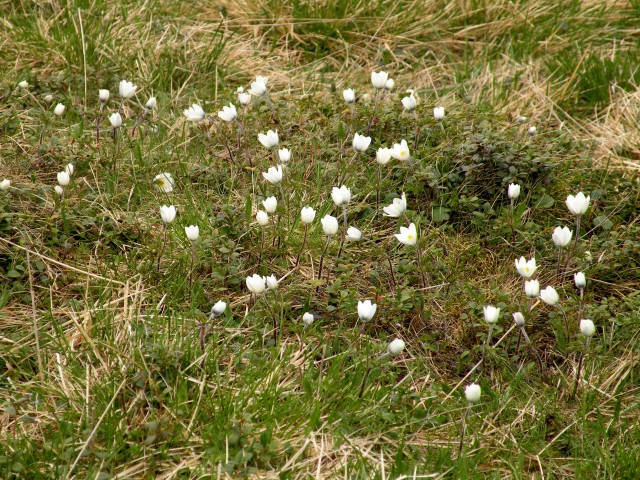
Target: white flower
column 521, row 119
column 103, row 95
column 69, row 169
column 532, row 131
column 127, row 89
column 438, row 114
column 379, row 79
column 341, row 196
column 360, row 142
column 561, row 236
column 518, row 319
column 307, row 214
column 168, row 213
column 587, row 328
column 270, row 204
column 472, row 393
column 5, row 184
column 269, row 140
column 383, row 155
column 513, row 191
column 526, row 268
column 354, row 234
column 273, row 175
column 491, row 314
column 262, row 218
column 58, row 189
column 395, row 347
column 580, row 280
column 549, row 296
column 579, row 204
column 115, row 119
column 409, row 103
column 59, row 110
column 48, row 98
column 349, row 95
column 308, row 318
column 244, row 98
column 272, row 282
column 397, row 208
column 192, row 232
column 151, row 103
column 284, row 154
column 256, row 283
column 532, row 288
column 366, row 310
column 194, row 113
column 389, row 84
column 23, row 84
column 400, row 151
column 329, row 225
column 228, row 114
column 408, row 236
column 259, row 87
column 219, row 308
column 164, row 182
column 63, row 179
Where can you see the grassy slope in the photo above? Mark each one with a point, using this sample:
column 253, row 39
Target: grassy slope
column 116, row 383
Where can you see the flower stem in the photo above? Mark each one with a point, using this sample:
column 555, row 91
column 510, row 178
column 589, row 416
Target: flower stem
column 261, row 250
column 164, row 245
column 373, row 114
column 464, row 424
column 193, row 258
column 420, row 267
column 575, row 242
column 580, row 363
column 304, row 242
column 326, row 247
column 559, row 261
column 344, row 233
column 415, row 143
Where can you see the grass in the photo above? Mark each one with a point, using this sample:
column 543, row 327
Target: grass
column 101, row 370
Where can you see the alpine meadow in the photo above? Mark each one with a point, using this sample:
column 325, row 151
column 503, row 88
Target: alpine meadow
column 300, row 239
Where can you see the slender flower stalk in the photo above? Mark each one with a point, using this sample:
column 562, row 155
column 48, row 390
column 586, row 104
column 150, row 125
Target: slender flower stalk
column 587, row 328
column 472, row 394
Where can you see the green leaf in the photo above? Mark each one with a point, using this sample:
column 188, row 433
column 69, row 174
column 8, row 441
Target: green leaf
column 603, row 222
column 440, row 214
